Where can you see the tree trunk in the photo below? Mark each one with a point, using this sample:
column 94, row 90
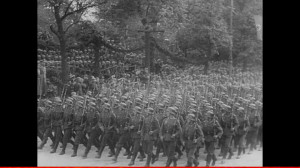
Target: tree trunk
column 64, row 64
column 96, row 60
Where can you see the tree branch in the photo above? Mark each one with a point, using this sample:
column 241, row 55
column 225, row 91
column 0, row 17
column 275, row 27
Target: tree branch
column 82, row 9
column 68, row 7
column 53, row 30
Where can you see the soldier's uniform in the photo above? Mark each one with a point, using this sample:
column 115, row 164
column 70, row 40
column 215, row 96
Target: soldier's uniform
column 40, row 120
column 78, row 126
column 122, row 121
column 67, row 125
column 242, row 131
column 212, row 131
column 160, row 115
column 136, row 124
column 92, row 128
column 193, row 137
column 57, row 121
column 150, row 132
column 169, row 132
column 107, row 121
column 47, row 124
column 253, row 130
column 229, row 123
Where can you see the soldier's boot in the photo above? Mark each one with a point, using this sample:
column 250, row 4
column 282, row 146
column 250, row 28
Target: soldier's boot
column 208, row 160
column 75, row 151
column 153, row 158
column 156, row 155
column 205, row 150
column 126, row 153
column 169, row 161
column 214, row 159
column 142, row 156
column 225, row 153
column 239, row 153
column 63, row 151
column 132, row 159
column 112, row 153
column 129, row 155
column 230, row 154
column 189, row 163
column 100, row 150
column 117, row 154
column 196, row 163
column 54, row 148
column 41, row 146
column 86, row 152
column 174, row 161
column 149, row 156
column 177, row 149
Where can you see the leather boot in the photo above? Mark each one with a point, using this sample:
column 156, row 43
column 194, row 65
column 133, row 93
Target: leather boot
column 153, row 159
column 116, row 155
column 148, row 161
column 168, row 162
column 112, row 153
column 189, row 164
column 41, row 146
column 62, row 151
column 84, row 156
column 132, row 159
column 75, row 151
column 208, row 160
column 174, row 162
column 196, row 162
column 214, row 159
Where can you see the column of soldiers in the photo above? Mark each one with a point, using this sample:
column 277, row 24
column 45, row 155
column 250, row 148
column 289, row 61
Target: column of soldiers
column 173, row 116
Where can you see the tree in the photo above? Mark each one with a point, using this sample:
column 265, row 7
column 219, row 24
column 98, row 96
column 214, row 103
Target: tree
column 66, row 14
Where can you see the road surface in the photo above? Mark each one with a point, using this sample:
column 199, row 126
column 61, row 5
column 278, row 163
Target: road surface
column 45, row 158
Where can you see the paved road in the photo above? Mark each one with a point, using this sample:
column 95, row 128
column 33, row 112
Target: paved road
column 45, row 158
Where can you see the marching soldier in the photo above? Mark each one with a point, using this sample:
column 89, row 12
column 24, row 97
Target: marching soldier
column 47, row 123
column 242, row 131
column 212, row 131
column 136, row 124
column 169, row 131
column 160, row 116
column 193, row 137
column 229, row 123
column 107, row 124
column 150, row 132
column 40, row 118
column 253, row 130
column 57, row 120
column 92, row 128
column 78, row 125
column 67, row 125
column 122, row 119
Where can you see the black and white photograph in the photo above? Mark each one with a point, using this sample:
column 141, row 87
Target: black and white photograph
column 154, row 83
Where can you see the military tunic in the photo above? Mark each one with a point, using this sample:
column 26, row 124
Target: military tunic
column 193, row 137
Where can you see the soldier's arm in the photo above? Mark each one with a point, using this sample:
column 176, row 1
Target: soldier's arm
column 161, row 128
column 235, row 122
column 219, row 129
column 156, row 126
column 200, row 133
column 178, row 128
